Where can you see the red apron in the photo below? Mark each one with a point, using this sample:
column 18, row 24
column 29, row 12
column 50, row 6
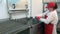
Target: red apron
column 48, row 27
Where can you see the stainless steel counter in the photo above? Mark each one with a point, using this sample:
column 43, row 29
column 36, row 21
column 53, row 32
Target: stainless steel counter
column 11, row 26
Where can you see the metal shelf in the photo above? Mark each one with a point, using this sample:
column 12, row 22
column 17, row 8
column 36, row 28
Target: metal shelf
column 51, row 0
column 17, row 9
column 47, row 2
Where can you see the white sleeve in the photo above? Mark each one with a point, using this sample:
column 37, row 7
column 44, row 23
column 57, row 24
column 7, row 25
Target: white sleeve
column 48, row 20
column 43, row 14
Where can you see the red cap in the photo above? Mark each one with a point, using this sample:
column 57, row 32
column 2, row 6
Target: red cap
column 50, row 4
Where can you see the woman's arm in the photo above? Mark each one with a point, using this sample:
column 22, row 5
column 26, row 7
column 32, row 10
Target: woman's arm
column 43, row 14
column 48, row 20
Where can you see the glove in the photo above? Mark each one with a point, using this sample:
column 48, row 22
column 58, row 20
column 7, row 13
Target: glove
column 38, row 17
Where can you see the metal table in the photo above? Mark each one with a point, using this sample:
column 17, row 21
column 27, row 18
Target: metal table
column 17, row 26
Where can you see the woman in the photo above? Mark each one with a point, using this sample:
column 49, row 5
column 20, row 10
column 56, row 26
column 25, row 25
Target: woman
column 50, row 18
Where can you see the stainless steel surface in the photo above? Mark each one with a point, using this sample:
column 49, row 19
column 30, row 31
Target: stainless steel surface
column 7, row 27
column 17, row 10
column 14, row 26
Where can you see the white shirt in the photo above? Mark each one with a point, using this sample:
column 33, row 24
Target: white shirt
column 52, row 18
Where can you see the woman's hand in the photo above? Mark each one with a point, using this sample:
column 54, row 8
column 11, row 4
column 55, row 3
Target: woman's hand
column 38, row 17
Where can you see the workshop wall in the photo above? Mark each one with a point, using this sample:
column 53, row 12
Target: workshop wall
column 20, row 5
column 35, row 7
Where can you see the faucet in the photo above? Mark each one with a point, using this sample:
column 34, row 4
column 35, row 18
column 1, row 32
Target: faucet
column 14, row 6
